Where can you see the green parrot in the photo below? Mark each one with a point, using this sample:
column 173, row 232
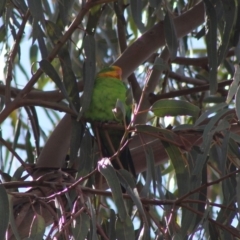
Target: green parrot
column 108, row 88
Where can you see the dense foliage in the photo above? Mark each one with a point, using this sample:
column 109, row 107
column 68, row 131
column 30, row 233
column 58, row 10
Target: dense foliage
column 181, row 61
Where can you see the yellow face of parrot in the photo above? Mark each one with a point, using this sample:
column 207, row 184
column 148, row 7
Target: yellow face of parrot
column 111, row 72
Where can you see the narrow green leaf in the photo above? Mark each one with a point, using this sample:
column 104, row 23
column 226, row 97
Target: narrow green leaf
column 160, row 64
column 214, row 99
column 93, row 232
column 77, row 132
column 233, row 87
column 212, row 110
column 69, row 78
column 4, row 211
column 136, row 9
column 93, row 19
column 150, row 173
column 89, row 72
column 81, row 226
column 229, row 186
column 233, row 148
column 224, row 151
column 12, row 219
column 195, row 179
column 166, row 107
column 237, row 102
column 29, row 148
column 228, row 64
column 179, row 164
column 36, row 31
column 229, row 17
column 235, row 137
column 47, row 67
column 18, row 173
column 170, row 35
column 126, row 180
column 168, row 134
column 17, row 131
column 209, row 128
column 35, row 7
column 183, row 127
column 238, row 191
column 3, row 33
column 85, row 165
column 42, row 46
column 155, row 3
column 37, row 228
column 106, row 169
column 111, row 228
column 46, row 7
column 33, row 56
column 2, row 6
column 211, row 37
column 65, row 6
column 124, row 229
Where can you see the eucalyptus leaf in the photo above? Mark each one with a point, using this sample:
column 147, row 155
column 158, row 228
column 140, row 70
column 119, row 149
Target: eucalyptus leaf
column 230, row 14
column 166, row 107
column 170, row 35
column 37, row 228
column 106, row 169
column 211, row 37
column 233, row 87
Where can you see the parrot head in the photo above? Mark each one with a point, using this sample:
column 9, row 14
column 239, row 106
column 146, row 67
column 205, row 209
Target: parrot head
column 111, row 72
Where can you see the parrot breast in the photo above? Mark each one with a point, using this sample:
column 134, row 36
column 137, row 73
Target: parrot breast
column 106, row 91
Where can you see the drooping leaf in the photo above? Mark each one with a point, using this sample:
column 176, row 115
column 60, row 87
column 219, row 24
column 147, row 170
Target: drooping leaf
column 165, row 107
column 86, row 159
column 64, row 9
column 93, row 18
column 36, row 10
column 93, row 230
column 29, row 148
column 233, row 87
column 155, row 3
column 2, row 6
column 111, row 228
column 170, row 35
column 89, row 72
column 106, row 169
column 230, row 12
column 124, row 229
column 81, row 226
column 212, row 110
column 37, row 228
column 33, row 56
column 47, row 67
column 136, row 9
column 160, row 64
column 237, row 102
column 211, row 37
column 150, row 173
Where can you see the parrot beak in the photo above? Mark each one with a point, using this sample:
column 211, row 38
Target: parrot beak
column 118, row 72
